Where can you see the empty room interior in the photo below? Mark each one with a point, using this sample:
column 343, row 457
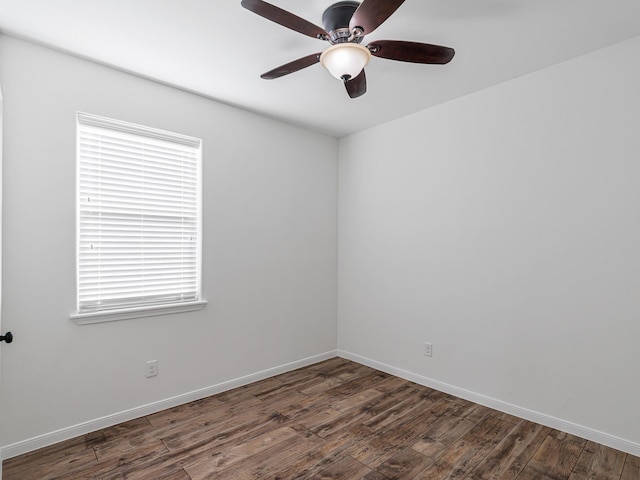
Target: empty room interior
column 455, row 241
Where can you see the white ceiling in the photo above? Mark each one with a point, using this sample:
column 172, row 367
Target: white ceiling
column 218, row 49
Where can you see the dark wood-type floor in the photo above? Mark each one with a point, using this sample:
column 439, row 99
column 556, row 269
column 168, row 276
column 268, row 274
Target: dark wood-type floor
column 333, row 420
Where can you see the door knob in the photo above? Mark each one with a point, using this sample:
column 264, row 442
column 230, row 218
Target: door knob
column 7, row 337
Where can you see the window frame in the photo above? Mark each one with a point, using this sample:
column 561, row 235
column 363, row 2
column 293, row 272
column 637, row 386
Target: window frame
column 141, row 311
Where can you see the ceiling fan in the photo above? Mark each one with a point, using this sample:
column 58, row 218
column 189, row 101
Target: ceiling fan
column 345, row 25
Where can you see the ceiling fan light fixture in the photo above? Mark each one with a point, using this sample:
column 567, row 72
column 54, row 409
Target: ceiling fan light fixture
column 345, row 60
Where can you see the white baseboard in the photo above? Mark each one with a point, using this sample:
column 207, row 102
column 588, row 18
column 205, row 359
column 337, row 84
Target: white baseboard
column 67, row 433
column 587, row 433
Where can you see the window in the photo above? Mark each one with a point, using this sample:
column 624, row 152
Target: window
column 138, row 221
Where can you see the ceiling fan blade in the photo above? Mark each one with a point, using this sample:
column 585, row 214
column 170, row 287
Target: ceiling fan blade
column 372, row 13
column 284, row 18
column 411, row 51
column 291, row 67
column 356, row 87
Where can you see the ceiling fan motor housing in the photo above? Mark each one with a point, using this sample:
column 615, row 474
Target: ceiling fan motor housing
column 335, row 20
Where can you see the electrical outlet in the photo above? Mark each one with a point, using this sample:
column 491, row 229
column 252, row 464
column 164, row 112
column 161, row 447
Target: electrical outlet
column 428, row 349
column 151, row 368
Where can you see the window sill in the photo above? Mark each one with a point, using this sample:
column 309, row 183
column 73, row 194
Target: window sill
column 126, row 314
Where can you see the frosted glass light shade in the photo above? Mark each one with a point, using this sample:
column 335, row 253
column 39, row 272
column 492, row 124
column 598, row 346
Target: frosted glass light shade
column 345, row 59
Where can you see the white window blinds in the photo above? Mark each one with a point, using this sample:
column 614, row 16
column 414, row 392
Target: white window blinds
column 138, row 216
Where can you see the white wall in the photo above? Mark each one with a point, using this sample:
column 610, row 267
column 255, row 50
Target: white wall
column 269, row 267
column 504, row 227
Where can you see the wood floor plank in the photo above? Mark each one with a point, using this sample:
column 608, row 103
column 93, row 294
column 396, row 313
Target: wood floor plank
column 281, row 401
column 247, row 423
column 193, row 451
column 329, row 364
column 238, row 400
column 321, row 384
column 408, row 402
column 44, row 465
column 59, row 452
column 347, row 467
column 358, row 399
column 311, row 419
column 406, row 463
column 115, row 446
column 375, row 476
column 138, row 463
column 466, row 453
column 177, row 475
column 184, row 413
column 331, row 451
column 266, row 387
column 341, row 373
column 298, row 408
column 219, row 459
column 375, row 450
column 310, row 381
column 384, row 444
column 631, row 470
column 368, row 407
column 282, row 391
column 443, row 430
column 355, row 385
column 332, row 420
column 598, row 461
column 264, row 464
column 555, row 458
column 512, row 454
column 131, row 427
